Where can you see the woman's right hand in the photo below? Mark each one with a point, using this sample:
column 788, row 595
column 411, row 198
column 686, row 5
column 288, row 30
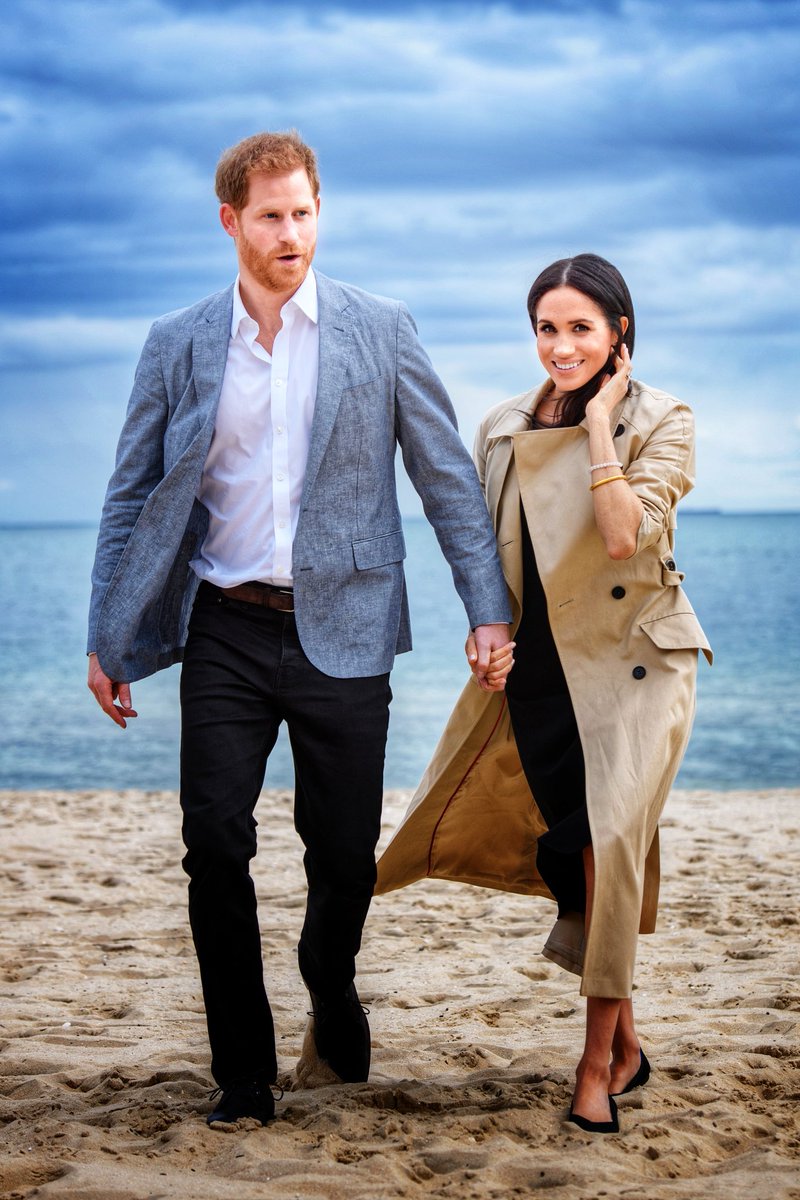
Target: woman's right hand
column 613, row 387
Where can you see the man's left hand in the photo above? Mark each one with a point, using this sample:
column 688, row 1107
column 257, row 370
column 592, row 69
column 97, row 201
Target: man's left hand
column 489, row 653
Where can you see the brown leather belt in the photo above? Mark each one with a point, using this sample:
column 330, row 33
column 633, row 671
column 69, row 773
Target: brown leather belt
column 262, row 593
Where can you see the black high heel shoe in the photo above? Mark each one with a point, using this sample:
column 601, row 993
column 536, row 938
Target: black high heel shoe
column 584, row 1123
column 640, row 1078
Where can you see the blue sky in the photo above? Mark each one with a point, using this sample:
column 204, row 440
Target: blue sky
column 462, row 147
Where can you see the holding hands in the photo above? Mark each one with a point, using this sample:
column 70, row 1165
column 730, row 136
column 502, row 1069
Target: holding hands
column 490, row 655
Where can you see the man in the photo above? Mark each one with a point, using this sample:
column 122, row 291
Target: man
column 251, row 528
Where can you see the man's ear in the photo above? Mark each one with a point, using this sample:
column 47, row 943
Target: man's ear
column 229, row 220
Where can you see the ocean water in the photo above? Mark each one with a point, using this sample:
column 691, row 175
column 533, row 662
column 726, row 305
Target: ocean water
column 741, row 575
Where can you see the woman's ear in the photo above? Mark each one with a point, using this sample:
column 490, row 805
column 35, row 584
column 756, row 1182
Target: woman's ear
column 623, row 324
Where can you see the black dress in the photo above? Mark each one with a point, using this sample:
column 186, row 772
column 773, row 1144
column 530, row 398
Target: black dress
column 548, row 742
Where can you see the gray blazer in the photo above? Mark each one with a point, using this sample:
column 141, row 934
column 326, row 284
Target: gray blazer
column 376, row 388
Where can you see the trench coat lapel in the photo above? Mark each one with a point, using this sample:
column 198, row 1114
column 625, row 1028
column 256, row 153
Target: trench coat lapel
column 503, row 497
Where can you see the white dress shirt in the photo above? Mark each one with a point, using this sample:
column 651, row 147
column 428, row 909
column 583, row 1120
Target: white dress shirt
column 253, row 476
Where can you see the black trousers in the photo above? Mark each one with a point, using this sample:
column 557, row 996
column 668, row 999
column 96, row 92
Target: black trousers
column 244, row 672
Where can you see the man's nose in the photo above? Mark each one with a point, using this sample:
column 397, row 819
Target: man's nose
column 288, row 229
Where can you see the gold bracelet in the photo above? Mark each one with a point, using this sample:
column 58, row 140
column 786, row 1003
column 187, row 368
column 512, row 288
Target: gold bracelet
column 609, row 479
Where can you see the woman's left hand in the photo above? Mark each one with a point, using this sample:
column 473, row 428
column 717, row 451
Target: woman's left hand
column 612, row 388
column 500, row 663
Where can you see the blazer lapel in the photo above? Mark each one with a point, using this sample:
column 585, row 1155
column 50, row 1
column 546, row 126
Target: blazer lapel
column 210, row 354
column 334, row 352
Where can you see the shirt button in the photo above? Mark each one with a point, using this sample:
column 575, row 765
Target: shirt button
column 281, row 524
column 639, row 672
column 278, row 383
column 279, row 476
column 618, row 592
column 279, row 429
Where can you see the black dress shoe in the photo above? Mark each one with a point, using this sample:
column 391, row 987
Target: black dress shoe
column 341, row 1034
column 640, row 1078
column 246, row 1098
column 611, row 1126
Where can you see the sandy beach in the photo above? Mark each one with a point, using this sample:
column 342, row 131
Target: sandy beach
column 104, row 1062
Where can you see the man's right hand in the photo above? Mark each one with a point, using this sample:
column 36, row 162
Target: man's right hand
column 106, row 691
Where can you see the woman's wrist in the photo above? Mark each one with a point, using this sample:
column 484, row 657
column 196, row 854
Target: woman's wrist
column 596, row 417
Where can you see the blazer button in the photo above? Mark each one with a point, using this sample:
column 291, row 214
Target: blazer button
column 670, row 564
column 618, row 432
column 639, row 672
column 618, row 592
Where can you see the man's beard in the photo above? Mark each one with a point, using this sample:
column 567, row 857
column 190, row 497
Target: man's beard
column 269, row 271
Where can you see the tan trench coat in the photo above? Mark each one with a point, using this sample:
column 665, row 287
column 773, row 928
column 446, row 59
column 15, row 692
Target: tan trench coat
column 628, row 640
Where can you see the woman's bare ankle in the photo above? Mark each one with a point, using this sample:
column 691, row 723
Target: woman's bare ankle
column 592, row 1071
column 624, row 1065
column 592, row 1085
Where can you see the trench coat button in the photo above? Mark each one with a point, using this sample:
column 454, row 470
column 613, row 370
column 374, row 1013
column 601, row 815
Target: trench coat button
column 639, row 672
column 618, row 432
column 618, row 592
column 670, row 564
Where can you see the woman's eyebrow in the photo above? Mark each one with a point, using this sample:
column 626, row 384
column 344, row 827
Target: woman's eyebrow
column 569, row 321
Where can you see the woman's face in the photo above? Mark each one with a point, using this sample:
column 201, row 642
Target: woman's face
column 573, row 337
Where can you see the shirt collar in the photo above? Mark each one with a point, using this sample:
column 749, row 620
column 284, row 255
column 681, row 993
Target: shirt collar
column 239, row 316
column 305, row 298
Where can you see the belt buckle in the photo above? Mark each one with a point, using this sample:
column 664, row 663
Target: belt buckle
column 281, row 591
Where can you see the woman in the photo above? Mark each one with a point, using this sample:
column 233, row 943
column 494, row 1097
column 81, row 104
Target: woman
column 553, row 784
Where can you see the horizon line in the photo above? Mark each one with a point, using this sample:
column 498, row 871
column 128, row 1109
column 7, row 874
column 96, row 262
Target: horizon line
column 48, row 523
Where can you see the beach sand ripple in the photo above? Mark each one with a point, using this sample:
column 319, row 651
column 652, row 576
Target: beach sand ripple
column 104, row 1077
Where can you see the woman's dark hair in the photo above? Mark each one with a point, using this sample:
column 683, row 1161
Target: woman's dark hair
column 601, row 282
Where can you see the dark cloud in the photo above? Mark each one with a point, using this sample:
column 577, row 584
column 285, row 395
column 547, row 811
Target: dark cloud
column 462, row 146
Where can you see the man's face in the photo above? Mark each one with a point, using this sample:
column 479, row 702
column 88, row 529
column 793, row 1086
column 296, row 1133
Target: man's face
column 276, row 231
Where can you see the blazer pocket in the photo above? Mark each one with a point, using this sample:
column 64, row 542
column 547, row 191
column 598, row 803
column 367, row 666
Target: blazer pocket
column 379, row 551
column 677, row 631
column 371, row 379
